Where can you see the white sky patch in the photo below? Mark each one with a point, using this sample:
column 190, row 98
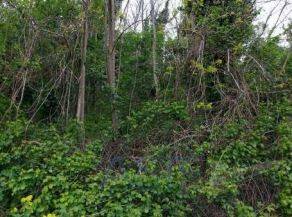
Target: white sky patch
column 273, row 9
column 277, row 14
column 132, row 7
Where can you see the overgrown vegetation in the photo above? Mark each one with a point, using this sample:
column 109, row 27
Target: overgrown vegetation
column 196, row 124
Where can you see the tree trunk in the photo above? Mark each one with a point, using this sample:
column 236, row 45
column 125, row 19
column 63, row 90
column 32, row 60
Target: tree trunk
column 111, row 53
column 154, row 47
column 81, row 95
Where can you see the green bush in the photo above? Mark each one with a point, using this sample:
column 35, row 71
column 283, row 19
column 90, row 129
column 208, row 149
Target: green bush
column 156, row 117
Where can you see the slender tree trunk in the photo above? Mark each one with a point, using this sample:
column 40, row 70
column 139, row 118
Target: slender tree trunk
column 111, row 63
column 81, row 95
column 142, row 15
column 154, row 48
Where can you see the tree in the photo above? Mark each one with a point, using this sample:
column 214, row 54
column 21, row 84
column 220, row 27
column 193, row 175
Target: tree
column 154, row 47
column 111, row 62
column 81, row 95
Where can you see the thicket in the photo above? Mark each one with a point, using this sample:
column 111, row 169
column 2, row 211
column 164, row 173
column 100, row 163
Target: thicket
column 213, row 138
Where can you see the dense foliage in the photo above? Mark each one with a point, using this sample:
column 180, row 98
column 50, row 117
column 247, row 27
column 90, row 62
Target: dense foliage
column 214, row 141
